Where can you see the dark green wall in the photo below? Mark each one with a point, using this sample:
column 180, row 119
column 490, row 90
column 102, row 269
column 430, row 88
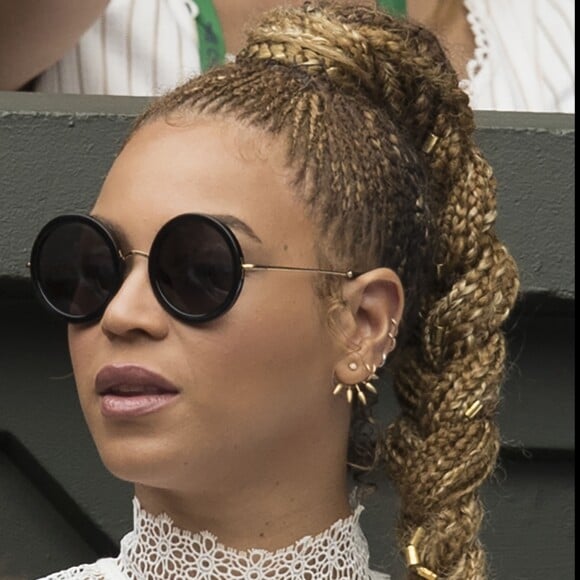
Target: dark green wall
column 58, row 505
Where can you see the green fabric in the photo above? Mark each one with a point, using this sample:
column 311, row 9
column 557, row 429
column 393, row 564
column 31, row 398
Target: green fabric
column 396, row 7
column 212, row 48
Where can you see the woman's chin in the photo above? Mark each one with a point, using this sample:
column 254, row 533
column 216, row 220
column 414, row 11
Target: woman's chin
column 139, row 463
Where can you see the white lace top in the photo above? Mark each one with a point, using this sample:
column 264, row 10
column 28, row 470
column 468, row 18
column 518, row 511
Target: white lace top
column 524, row 55
column 157, row 549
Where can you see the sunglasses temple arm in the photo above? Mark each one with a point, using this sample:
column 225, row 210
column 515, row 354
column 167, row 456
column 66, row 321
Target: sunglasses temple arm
column 350, row 275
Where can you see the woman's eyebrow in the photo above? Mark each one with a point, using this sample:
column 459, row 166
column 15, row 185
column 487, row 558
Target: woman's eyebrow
column 116, row 230
column 237, row 224
column 228, row 220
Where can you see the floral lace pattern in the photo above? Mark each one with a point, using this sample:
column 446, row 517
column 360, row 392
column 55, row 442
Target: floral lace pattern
column 481, row 52
column 104, row 569
column 85, row 571
column 158, row 549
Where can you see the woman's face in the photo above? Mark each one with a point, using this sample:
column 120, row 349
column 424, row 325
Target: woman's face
column 254, row 386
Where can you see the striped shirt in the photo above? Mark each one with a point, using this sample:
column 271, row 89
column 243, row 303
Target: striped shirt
column 136, row 47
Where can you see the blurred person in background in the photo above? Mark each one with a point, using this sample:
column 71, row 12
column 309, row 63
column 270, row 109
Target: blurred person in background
column 511, row 55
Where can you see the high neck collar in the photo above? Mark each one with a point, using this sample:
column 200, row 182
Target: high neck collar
column 158, row 549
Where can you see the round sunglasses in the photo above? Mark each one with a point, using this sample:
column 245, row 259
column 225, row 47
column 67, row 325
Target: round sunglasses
column 196, row 267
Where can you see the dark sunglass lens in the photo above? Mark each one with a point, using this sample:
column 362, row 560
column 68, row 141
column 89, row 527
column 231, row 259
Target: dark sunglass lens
column 197, row 270
column 76, row 269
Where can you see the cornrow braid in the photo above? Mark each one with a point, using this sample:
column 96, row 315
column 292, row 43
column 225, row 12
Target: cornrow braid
column 355, row 94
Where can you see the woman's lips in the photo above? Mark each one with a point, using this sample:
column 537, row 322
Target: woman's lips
column 131, row 390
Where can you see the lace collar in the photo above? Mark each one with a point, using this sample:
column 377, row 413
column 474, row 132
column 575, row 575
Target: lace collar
column 480, row 59
column 158, row 549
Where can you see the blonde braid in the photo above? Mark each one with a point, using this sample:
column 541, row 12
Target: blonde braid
column 355, row 93
column 439, row 453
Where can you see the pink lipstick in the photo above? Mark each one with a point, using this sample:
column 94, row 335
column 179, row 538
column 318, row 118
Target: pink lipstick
column 131, row 391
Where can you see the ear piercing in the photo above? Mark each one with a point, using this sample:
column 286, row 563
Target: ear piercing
column 384, row 360
column 392, row 334
column 358, row 388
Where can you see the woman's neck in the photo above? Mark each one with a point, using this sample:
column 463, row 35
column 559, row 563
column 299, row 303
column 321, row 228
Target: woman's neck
column 269, row 516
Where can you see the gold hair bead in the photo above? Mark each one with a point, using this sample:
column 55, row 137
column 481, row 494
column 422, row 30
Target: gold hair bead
column 474, row 409
column 430, row 143
column 411, row 556
column 425, row 573
column 417, row 536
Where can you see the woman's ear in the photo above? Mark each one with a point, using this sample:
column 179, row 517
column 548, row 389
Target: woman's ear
column 374, row 303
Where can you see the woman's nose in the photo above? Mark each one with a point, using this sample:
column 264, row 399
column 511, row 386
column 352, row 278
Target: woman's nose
column 134, row 310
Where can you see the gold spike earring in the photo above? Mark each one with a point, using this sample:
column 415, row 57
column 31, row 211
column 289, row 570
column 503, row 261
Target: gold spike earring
column 358, row 388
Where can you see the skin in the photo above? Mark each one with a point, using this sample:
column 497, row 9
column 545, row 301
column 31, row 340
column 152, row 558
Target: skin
column 255, row 418
column 34, row 35
column 448, row 20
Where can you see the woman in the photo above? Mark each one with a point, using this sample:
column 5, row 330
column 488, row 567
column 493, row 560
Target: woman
column 295, row 220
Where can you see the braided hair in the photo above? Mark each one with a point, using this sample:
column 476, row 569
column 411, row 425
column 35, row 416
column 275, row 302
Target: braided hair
column 359, row 97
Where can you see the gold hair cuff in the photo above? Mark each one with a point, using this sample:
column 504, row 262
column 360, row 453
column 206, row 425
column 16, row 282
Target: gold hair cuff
column 425, row 573
column 417, row 536
column 430, row 143
column 474, row 409
column 412, row 557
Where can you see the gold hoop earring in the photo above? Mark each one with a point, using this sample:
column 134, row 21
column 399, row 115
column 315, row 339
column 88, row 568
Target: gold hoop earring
column 392, row 334
column 358, row 388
